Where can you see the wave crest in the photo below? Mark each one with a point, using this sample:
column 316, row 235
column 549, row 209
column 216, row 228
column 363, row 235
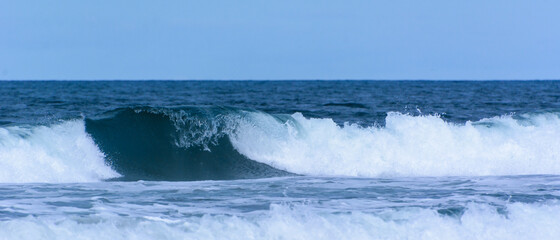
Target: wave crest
column 61, row 152
column 405, row 146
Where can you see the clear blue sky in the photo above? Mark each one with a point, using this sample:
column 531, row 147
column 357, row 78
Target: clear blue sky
column 284, row 39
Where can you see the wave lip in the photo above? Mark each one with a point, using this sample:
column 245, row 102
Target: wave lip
column 61, row 152
column 405, row 146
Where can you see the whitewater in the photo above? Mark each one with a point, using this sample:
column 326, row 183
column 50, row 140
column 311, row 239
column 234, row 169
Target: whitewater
column 406, row 146
column 280, row 160
column 286, row 208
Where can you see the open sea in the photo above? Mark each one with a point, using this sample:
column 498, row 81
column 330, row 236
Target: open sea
column 279, row 160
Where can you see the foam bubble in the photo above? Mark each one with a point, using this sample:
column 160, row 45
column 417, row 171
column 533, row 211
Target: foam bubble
column 406, row 146
column 58, row 153
column 480, row 221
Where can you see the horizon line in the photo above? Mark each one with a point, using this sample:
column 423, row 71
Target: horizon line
column 241, row 80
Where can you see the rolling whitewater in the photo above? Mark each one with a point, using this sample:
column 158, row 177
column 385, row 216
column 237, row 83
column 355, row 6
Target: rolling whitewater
column 280, row 159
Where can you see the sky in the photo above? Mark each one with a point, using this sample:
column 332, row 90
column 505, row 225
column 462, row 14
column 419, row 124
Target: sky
column 279, row 39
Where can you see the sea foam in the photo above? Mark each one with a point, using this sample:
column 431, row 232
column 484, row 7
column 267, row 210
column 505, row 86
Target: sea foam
column 480, row 221
column 61, row 152
column 406, row 146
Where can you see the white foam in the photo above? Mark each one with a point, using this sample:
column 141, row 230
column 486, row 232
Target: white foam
column 59, row 153
column 523, row 221
column 406, row 146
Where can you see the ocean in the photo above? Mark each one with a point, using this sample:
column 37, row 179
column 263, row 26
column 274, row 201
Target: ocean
column 279, row 160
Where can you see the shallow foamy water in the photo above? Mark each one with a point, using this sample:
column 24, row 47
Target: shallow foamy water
column 510, row 207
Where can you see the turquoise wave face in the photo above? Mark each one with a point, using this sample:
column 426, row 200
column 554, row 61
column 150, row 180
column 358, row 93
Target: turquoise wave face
column 190, row 143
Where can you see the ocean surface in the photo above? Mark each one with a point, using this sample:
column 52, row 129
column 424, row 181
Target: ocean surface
column 280, row 160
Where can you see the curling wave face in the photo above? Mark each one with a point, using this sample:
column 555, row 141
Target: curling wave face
column 190, row 143
column 199, row 143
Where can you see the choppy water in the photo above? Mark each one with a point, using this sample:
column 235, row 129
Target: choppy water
column 280, row 160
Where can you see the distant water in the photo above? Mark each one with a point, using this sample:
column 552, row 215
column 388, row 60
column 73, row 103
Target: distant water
column 280, row 160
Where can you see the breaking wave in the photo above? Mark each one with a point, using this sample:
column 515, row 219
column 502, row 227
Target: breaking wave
column 61, row 152
column 174, row 144
column 405, row 146
column 199, row 143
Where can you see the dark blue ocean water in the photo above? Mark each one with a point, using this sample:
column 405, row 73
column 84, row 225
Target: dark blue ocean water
column 344, row 101
column 280, row 159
